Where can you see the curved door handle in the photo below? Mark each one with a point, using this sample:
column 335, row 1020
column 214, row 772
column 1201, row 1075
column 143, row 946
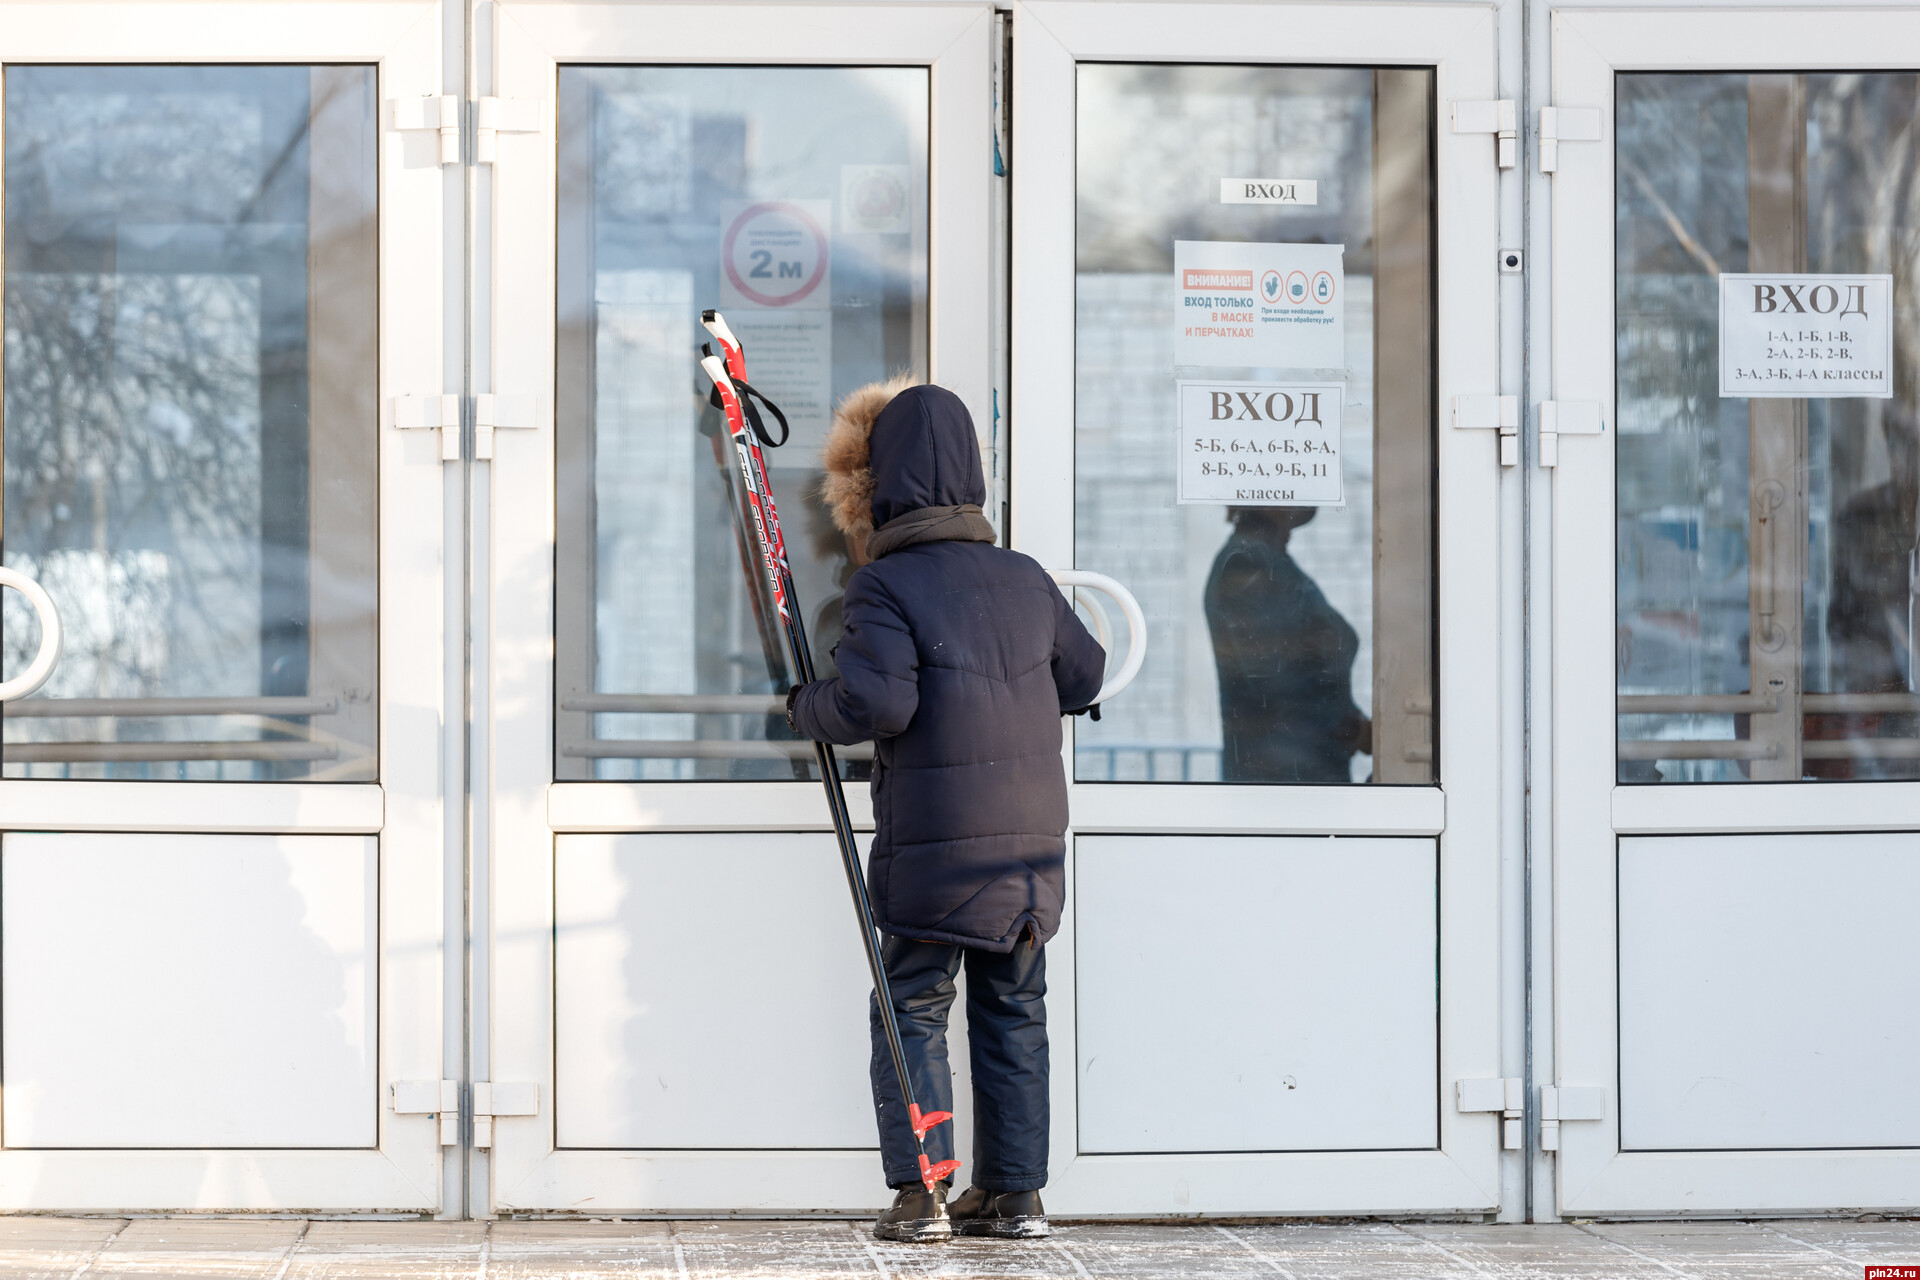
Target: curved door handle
column 49, row 656
column 1083, row 584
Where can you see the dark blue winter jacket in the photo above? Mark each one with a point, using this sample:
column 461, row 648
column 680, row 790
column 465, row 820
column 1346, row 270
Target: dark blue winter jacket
column 958, row 659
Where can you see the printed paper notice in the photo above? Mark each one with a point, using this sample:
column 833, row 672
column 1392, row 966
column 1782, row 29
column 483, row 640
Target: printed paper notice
column 1806, row 336
column 1258, row 306
column 776, row 291
column 773, row 253
column 1260, row 444
column 790, row 357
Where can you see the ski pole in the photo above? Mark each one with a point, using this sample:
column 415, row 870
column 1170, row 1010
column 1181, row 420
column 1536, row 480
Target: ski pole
column 770, row 639
column 747, row 431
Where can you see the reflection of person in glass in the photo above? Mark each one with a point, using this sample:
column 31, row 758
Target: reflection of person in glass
column 1285, row 659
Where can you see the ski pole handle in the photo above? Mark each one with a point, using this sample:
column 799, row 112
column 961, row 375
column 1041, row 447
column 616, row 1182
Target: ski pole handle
column 735, row 353
column 1079, row 580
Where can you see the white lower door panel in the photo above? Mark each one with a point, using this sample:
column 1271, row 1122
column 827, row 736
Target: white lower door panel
column 710, row 992
column 190, row 991
column 1256, row 993
column 1768, row 987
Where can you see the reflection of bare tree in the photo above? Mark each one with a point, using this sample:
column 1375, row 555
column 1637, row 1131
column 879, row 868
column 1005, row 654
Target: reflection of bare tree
column 133, row 475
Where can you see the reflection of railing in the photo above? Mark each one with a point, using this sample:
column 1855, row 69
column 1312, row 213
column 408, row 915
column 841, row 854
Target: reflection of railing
column 695, row 704
column 1725, row 704
column 160, row 708
column 1108, row 756
column 277, row 710
column 704, row 749
column 121, row 752
column 742, row 704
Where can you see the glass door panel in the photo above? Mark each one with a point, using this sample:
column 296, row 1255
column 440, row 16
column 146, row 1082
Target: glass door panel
column 191, row 419
column 1766, row 546
column 1290, row 643
column 793, row 199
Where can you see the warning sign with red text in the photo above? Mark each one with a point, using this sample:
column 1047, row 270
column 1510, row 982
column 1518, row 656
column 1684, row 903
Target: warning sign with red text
column 1245, row 305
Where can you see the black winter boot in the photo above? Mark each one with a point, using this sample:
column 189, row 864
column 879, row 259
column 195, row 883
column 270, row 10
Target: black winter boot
column 1009, row 1215
column 917, row 1216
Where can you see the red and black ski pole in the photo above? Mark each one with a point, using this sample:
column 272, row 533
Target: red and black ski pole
column 747, row 429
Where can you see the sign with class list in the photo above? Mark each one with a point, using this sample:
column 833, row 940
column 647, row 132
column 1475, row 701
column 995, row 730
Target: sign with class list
column 1260, row 444
column 1806, row 336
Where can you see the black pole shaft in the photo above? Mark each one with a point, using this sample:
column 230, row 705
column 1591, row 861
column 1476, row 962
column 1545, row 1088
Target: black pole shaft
column 850, row 861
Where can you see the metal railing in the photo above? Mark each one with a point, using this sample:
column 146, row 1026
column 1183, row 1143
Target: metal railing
column 162, row 708
column 1108, row 757
column 277, row 711
column 1724, row 704
column 696, row 704
column 704, row 749
column 154, row 752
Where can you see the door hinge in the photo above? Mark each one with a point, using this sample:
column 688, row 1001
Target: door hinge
column 494, row 413
column 1565, row 124
column 1492, row 413
column 495, row 116
column 430, row 413
column 431, row 1098
column 1566, row 418
column 1498, row 117
column 490, row 1100
column 1507, row 1096
column 1561, row 1103
column 440, row 112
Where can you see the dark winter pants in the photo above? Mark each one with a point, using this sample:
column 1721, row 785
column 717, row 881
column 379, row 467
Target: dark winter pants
column 1007, row 1040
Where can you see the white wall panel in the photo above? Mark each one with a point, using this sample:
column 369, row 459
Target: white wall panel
column 710, row 992
column 1256, row 993
column 189, row 991
column 1769, row 991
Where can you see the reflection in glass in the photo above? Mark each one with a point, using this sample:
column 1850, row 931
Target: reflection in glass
column 1766, row 547
column 190, row 420
column 794, row 200
column 1286, row 644
column 1284, row 658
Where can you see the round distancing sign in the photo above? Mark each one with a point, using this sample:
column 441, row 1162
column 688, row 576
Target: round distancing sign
column 774, row 253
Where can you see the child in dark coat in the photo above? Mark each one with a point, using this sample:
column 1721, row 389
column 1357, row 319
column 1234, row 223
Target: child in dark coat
column 957, row 661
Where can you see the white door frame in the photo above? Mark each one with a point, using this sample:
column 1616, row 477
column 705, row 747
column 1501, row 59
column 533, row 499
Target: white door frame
column 1051, row 36
column 529, row 1172
column 1589, row 811
column 405, row 809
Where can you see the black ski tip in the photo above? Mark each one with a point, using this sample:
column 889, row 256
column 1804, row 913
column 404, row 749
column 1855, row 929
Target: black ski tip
column 706, row 317
column 706, row 348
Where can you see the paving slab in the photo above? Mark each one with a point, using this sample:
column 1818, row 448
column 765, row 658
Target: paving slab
column 1518, row 1250
column 383, row 1250
column 46, row 1248
column 1723, row 1250
column 578, row 1250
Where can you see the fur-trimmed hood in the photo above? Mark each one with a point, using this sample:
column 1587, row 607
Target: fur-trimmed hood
column 896, row 447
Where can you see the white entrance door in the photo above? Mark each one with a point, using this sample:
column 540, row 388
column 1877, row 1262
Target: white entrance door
column 1736, row 727
column 675, row 966
column 1254, row 272
column 221, row 815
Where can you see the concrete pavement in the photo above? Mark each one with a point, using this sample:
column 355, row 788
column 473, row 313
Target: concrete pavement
column 295, row 1249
